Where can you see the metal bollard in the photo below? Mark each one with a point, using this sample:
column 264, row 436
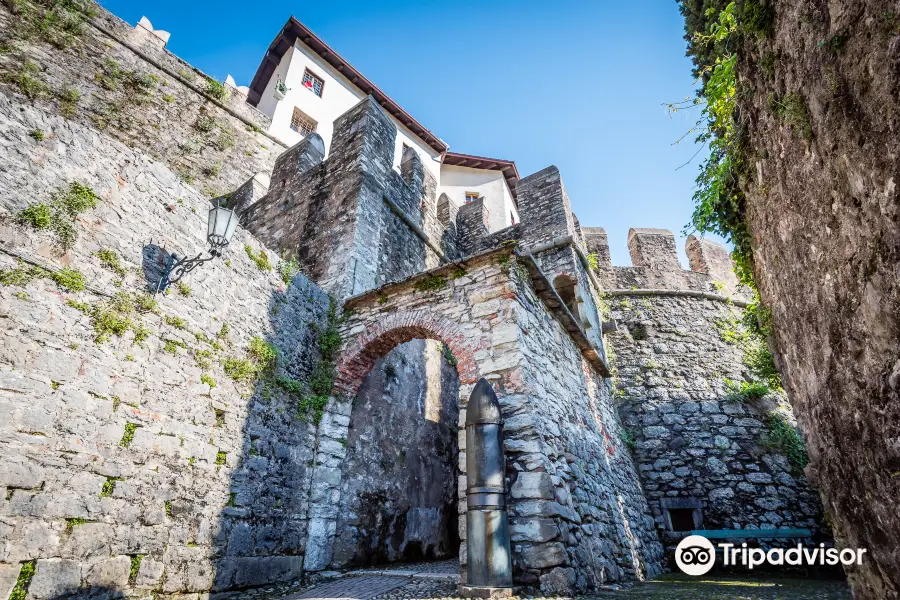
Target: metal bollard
column 488, row 558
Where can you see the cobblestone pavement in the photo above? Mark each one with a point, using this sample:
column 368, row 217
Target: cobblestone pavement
column 667, row 587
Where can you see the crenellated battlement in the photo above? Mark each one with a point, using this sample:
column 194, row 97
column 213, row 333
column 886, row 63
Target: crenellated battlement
column 354, row 222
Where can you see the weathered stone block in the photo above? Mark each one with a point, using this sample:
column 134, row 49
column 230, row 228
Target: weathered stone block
column 54, row 577
column 532, row 485
column 533, row 530
column 112, row 572
column 558, row 582
column 543, row 556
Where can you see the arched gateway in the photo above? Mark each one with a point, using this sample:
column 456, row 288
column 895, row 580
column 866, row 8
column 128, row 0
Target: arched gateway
column 573, row 497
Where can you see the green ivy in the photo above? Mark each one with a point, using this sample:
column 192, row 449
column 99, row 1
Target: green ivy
column 785, row 439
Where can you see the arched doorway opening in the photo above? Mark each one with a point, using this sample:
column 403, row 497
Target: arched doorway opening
column 399, row 494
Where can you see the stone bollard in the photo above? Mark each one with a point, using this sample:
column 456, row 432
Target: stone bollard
column 488, row 558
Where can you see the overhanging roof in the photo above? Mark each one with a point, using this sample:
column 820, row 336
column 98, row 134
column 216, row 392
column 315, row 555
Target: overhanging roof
column 294, row 30
column 507, row 167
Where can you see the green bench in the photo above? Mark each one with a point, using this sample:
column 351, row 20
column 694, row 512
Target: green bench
column 736, row 534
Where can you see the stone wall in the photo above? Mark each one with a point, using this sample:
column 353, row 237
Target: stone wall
column 697, row 446
column 578, row 516
column 142, row 96
column 118, row 451
column 333, row 216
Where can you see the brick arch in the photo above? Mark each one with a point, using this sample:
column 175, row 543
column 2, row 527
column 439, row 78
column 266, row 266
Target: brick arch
column 360, row 353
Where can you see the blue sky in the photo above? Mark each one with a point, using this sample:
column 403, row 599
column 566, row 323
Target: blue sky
column 578, row 84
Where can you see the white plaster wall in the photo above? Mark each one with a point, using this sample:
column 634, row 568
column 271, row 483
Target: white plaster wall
column 338, row 96
column 456, row 181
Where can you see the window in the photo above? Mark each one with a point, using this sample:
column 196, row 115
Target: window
column 682, row 514
column 301, row 123
column 472, row 197
column 313, row 82
column 682, row 519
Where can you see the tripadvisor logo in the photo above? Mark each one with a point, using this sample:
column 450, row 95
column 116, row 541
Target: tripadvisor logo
column 695, row 555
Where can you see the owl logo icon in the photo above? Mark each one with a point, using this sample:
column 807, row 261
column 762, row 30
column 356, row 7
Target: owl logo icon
column 695, row 555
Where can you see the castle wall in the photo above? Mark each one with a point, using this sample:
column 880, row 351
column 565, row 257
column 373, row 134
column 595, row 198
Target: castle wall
column 578, row 518
column 333, row 217
column 209, row 489
column 696, row 447
column 159, row 107
column 700, row 447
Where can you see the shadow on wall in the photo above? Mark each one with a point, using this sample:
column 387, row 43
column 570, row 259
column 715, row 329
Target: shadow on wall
column 399, row 477
column 261, row 533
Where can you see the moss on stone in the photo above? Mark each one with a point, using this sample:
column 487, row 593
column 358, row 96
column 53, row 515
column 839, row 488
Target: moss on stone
column 208, row 380
column 430, row 283
column 261, row 260
column 110, row 259
column 109, row 486
column 128, row 436
column 239, row 369
column 27, row 79
column 59, row 216
column 20, row 591
column 216, row 89
column 75, row 522
column 135, row 568
column 176, row 322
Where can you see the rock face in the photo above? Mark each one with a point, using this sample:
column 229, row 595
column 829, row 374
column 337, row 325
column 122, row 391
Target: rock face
column 822, row 205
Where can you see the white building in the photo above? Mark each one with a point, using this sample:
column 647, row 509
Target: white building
column 304, row 85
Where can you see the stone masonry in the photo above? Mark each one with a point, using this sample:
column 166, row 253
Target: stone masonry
column 169, row 458
column 698, row 449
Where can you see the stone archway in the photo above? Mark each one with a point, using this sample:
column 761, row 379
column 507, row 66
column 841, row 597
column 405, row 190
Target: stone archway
column 399, row 477
column 471, row 311
column 358, row 357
